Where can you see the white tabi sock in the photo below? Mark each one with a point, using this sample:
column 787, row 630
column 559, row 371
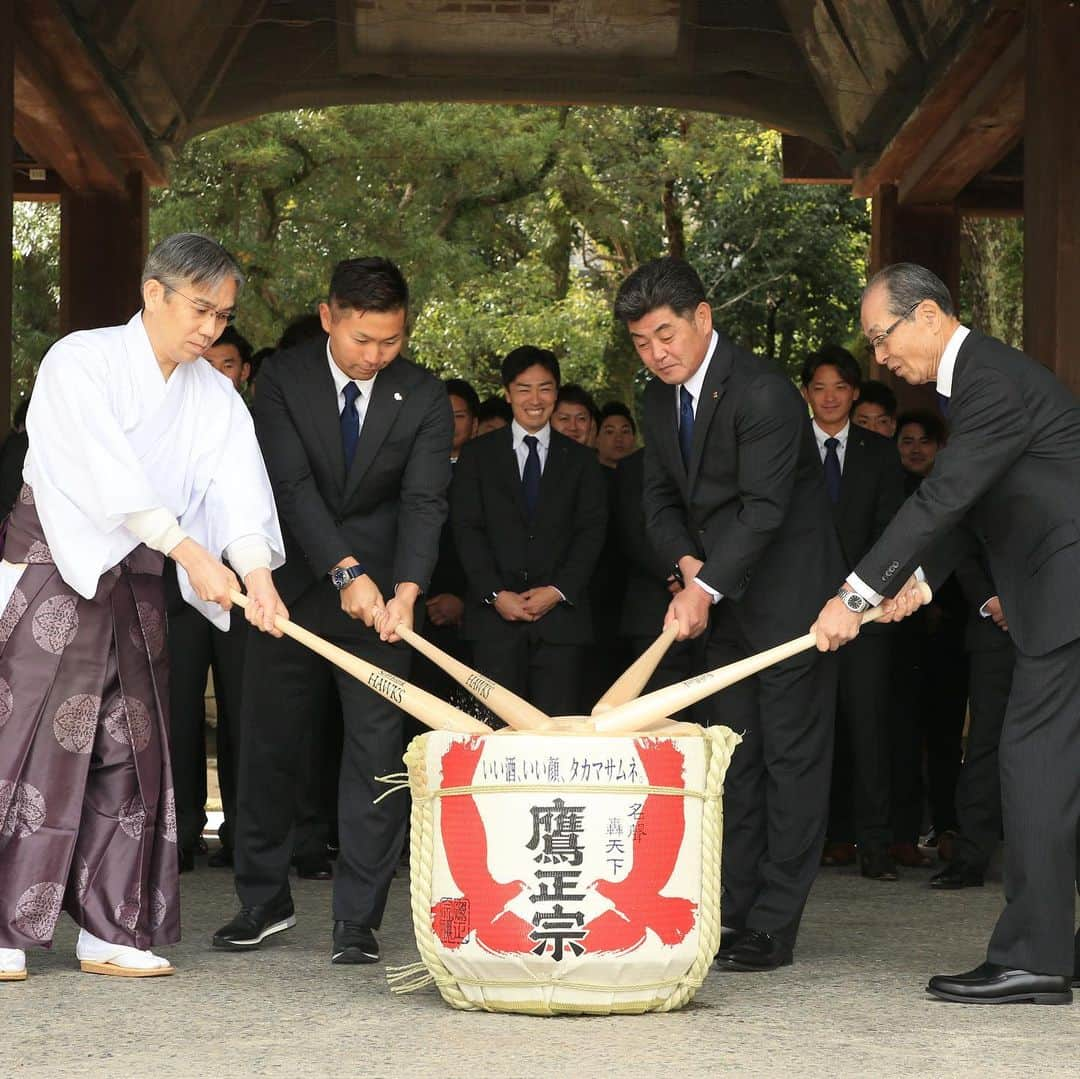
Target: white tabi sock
column 12, row 960
column 97, row 950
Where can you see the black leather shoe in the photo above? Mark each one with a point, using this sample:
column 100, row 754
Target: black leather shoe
column 956, row 875
column 993, row 984
column 252, row 925
column 755, row 951
column 875, row 864
column 317, row 867
column 220, row 859
column 728, row 939
column 354, row 943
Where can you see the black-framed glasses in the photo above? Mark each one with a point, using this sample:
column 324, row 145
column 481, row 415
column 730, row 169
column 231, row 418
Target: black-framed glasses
column 877, row 342
column 224, row 318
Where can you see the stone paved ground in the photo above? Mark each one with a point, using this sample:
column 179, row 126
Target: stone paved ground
column 853, row 1005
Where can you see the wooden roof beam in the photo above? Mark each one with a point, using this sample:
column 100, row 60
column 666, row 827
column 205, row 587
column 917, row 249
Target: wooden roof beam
column 974, row 67
column 982, row 128
column 52, row 126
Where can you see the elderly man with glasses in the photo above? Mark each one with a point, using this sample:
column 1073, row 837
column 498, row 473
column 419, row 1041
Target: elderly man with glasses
column 1010, row 477
column 129, row 435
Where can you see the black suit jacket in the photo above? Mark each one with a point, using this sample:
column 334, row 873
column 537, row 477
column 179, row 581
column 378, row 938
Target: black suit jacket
column 1011, row 473
column 752, row 504
column 501, row 548
column 871, row 491
column 646, row 596
column 388, row 511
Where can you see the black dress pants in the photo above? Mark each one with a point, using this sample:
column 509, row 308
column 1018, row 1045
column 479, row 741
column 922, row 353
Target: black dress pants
column 547, row 675
column 978, row 790
column 776, row 793
column 282, row 696
column 195, row 648
column 859, row 804
column 1040, row 802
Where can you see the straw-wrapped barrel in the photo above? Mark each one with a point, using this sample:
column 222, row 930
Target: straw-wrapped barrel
column 567, row 873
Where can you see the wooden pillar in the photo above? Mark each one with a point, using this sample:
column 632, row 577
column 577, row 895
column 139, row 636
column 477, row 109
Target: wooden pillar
column 927, row 235
column 1052, row 188
column 103, row 244
column 7, row 197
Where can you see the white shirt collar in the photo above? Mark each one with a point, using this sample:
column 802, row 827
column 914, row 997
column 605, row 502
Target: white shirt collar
column 841, row 436
column 341, row 380
column 518, row 433
column 696, row 381
column 948, row 361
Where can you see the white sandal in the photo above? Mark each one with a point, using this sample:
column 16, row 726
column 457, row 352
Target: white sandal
column 97, row 956
column 12, row 965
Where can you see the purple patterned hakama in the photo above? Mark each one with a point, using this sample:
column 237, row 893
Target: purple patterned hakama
column 87, row 818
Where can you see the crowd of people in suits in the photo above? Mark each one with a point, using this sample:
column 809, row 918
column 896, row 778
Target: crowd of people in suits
column 530, row 535
column 898, row 789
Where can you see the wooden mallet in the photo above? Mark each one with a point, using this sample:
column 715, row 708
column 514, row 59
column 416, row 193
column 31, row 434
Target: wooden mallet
column 654, row 708
column 632, row 681
column 420, row 704
column 508, row 706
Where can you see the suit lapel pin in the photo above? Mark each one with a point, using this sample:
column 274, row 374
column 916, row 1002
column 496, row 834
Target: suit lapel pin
column 397, row 397
column 716, row 395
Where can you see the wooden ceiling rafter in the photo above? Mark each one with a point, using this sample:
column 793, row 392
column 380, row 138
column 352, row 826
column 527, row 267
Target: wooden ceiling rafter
column 975, row 73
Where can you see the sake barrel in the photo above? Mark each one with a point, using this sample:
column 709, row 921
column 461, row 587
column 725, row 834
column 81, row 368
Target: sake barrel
column 556, row 874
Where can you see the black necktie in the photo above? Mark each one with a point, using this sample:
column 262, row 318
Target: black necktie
column 350, row 423
column 686, row 424
column 530, row 476
column 943, row 404
column 832, row 469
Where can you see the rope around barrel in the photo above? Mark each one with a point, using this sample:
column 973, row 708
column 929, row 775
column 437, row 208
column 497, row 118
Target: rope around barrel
column 720, row 743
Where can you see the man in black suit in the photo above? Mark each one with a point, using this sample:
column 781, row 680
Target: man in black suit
column 865, row 485
column 734, row 498
column 357, row 444
column 1011, row 474
column 529, row 513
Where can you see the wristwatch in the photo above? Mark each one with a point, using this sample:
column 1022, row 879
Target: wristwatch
column 340, row 577
column 852, row 600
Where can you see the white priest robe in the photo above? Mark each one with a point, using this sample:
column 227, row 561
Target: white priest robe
column 110, row 437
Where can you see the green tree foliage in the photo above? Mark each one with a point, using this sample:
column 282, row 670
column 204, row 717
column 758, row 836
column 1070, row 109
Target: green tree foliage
column 36, row 292
column 516, row 224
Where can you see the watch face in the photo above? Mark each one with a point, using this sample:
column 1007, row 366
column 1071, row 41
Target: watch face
column 339, row 577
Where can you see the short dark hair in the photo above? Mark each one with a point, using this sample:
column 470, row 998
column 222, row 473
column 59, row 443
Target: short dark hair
column 232, row 336
column 664, row 282
column 521, row 359
column 930, row 422
column 832, row 356
column 617, row 408
column 368, row 284
column 573, row 394
column 873, row 392
column 460, row 388
column 908, row 284
column 302, row 328
column 494, row 408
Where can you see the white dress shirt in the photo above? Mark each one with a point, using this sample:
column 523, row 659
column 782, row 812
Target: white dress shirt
column 695, row 383
column 841, row 436
column 521, row 451
column 341, row 380
column 948, row 361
